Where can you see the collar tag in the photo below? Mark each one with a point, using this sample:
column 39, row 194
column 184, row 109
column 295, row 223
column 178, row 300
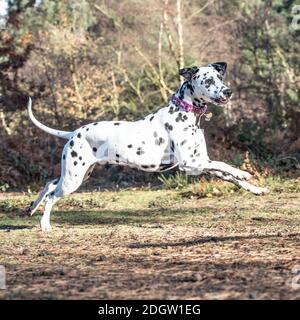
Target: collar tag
column 208, row 116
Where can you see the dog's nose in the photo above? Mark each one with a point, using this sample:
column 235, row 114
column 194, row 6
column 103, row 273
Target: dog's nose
column 227, row 93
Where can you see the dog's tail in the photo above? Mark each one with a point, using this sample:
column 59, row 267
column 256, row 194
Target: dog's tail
column 57, row 133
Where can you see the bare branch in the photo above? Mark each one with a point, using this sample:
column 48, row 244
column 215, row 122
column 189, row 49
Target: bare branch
column 161, row 29
column 156, row 77
column 108, row 15
column 194, row 14
column 168, row 33
column 76, row 86
column 180, row 35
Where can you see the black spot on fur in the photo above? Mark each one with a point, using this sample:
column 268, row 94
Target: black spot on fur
column 183, row 142
column 144, row 166
column 79, row 135
column 129, row 146
column 117, row 155
column 87, row 129
column 95, row 149
column 189, row 87
column 80, row 158
column 56, row 182
column 168, row 126
column 74, row 154
column 71, row 143
column 182, row 90
column 116, row 123
column 151, row 118
column 179, row 117
column 159, row 141
column 171, row 110
column 83, row 163
column 52, row 194
column 139, row 151
column 64, row 157
column 75, row 163
column 155, row 134
column 208, row 82
column 95, row 123
column 172, row 146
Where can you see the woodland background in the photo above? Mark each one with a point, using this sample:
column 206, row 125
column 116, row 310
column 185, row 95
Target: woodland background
column 90, row 60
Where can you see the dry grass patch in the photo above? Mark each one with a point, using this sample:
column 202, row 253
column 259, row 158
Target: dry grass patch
column 154, row 244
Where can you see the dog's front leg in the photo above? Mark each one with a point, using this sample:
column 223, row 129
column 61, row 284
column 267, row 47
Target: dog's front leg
column 240, row 183
column 208, row 165
column 226, row 168
column 224, row 172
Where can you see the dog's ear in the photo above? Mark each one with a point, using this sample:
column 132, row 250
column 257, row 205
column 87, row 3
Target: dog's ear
column 220, row 67
column 187, row 73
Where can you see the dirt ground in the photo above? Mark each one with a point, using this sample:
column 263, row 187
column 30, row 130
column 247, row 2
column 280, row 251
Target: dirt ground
column 140, row 244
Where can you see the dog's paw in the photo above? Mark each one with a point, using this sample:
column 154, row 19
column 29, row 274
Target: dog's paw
column 260, row 191
column 46, row 226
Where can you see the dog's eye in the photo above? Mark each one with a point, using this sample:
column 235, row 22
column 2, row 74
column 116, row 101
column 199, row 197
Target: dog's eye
column 209, row 81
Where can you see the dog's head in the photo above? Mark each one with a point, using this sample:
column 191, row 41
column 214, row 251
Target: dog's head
column 208, row 82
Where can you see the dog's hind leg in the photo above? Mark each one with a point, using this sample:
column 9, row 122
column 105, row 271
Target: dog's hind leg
column 45, row 221
column 77, row 164
column 67, row 184
column 50, row 186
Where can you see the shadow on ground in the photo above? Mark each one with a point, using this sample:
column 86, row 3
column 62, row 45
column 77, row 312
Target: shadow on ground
column 187, row 243
column 5, row 227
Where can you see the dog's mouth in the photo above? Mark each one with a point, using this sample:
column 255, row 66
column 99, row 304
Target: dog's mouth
column 221, row 101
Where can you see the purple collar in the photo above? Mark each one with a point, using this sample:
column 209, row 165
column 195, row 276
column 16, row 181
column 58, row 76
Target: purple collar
column 189, row 107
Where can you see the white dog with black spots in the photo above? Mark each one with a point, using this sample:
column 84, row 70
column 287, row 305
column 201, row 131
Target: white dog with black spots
column 168, row 137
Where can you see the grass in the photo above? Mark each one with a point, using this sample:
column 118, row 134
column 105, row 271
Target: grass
column 207, row 241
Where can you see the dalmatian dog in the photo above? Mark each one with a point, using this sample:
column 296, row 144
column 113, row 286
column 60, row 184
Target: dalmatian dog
column 168, row 137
